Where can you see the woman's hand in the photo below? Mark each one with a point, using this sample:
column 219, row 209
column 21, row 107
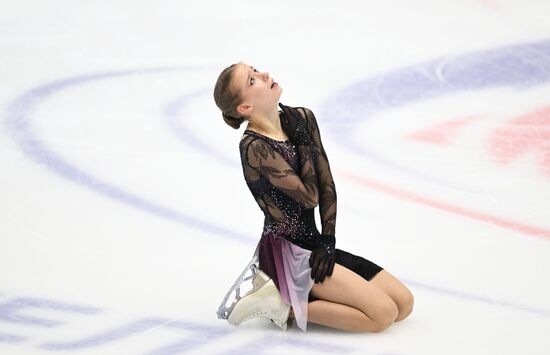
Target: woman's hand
column 322, row 264
column 293, row 125
column 322, row 258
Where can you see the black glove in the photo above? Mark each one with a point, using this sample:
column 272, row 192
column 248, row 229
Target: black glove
column 321, row 260
column 294, row 126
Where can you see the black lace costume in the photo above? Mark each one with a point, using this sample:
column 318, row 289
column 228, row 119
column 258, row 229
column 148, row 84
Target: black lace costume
column 286, row 198
column 288, row 181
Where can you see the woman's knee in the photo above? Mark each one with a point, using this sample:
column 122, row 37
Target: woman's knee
column 386, row 314
column 398, row 292
column 348, row 288
column 384, row 317
column 406, row 306
column 381, row 314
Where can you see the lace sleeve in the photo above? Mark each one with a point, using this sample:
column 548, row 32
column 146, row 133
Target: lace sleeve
column 262, row 157
column 327, row 189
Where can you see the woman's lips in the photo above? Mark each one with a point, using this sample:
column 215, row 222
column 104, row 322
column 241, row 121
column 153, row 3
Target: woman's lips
column 274, row 84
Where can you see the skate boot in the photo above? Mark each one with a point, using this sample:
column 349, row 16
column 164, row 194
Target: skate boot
column 263, row 301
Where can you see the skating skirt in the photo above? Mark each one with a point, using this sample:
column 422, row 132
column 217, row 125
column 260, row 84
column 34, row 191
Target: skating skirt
column 288, row 265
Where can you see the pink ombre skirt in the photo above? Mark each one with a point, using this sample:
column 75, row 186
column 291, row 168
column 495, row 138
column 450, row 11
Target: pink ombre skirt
column 288, row 265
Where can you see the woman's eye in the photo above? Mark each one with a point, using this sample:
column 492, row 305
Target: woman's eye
column 255, row 70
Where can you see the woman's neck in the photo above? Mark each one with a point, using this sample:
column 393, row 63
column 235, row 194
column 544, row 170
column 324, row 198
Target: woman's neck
column 269, row 125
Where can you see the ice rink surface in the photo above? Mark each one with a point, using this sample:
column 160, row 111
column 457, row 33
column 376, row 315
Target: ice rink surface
column 125, row 216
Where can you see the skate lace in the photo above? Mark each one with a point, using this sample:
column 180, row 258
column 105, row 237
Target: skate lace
column 262, row 314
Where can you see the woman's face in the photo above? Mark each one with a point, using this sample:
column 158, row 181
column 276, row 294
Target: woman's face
column 256, row 90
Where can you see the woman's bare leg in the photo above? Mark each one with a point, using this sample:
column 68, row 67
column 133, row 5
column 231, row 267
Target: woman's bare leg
column 398, row 292
column 351, row 303
column 339, row 316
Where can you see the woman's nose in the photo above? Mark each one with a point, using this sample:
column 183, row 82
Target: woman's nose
column 266, row 75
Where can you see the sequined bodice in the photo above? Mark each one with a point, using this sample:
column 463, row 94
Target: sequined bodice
column 294, row 222
column 288, row 182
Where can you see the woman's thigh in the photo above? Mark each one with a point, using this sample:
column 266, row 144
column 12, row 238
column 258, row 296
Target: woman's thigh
column 347, row 287
column 394, row 288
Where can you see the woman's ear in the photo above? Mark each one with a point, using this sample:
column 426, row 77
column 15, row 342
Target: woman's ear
column 243, row 109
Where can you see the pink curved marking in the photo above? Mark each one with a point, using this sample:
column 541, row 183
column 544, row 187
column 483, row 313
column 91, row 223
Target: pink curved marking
column 406, row 195
column 442, row 133
column 521, row 134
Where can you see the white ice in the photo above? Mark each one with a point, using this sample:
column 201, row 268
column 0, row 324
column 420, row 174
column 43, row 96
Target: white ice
column 124, row 215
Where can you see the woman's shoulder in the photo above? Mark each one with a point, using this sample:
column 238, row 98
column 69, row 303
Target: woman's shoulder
column 309, row 118
column 306, row 113
column 250, row 138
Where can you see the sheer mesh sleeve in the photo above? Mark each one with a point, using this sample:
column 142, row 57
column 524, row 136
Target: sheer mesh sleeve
column 327, row 189
column 262, row 157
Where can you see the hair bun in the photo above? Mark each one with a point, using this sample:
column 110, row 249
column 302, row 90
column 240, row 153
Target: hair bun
column 234, row 122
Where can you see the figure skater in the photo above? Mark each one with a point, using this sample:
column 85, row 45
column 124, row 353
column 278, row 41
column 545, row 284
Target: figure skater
column 287, row 170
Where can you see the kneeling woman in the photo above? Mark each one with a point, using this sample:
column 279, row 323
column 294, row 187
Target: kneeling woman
column 287, row 170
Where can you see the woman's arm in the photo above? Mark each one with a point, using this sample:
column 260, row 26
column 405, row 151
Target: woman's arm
column 327, row 189
column 268, row 162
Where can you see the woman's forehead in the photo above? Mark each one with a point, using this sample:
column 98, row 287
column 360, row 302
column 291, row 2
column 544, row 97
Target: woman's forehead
column 244, row 69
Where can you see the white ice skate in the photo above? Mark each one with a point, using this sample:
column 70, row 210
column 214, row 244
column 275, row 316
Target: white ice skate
column 263, row 301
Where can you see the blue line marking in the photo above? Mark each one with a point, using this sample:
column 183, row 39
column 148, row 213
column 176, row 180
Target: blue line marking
column 18, row 125
column 9, row 311
column 521, row 66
